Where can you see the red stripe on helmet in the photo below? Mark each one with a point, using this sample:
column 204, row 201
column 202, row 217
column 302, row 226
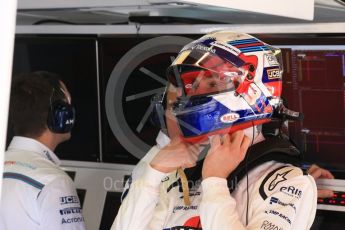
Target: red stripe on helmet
column 250, row 44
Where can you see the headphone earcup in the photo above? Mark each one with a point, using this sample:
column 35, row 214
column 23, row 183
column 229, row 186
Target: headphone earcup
column 61, row 117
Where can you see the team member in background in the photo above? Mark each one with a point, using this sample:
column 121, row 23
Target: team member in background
column 223, row 82
column 37, row 193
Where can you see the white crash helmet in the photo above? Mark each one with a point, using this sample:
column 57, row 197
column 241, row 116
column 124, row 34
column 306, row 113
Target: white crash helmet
column 229, row 81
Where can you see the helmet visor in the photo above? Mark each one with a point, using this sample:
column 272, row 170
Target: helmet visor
column 200, row 73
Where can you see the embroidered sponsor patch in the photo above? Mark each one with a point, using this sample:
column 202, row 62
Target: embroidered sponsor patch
column 276, row 201
column 72, row 220
column 69, row 200
column 280, row 215
column 267, row 225
column 71, row 210
column 184, row 208
column 277, row 181
column 292, row 191
column 279, row 177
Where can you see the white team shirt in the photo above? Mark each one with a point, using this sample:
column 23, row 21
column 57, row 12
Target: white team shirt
column 281, row 197
column 37, row 193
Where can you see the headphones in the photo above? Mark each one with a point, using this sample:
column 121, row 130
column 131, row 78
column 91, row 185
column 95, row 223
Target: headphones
column 61, row 114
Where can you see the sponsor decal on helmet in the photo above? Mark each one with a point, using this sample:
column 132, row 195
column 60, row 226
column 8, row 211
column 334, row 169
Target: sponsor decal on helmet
column 271, row 59
column 253, row 94
column 203, row 48
column 229, row 117
column 273, row 74
column 227, row 48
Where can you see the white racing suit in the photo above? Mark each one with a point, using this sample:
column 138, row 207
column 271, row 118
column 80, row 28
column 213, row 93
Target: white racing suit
column 279, row 197
column 36, row 192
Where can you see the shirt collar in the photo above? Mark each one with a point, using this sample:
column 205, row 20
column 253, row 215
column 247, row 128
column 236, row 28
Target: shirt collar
column 162, row 140
column 29, row 144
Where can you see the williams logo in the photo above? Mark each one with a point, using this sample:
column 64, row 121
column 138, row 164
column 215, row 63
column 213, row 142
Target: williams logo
column 229, row 117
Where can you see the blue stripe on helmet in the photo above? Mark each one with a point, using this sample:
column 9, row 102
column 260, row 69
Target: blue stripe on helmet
column 260, row 48
column 243, row 41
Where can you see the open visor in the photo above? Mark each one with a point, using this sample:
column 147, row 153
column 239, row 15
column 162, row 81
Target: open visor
column 202, row 73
